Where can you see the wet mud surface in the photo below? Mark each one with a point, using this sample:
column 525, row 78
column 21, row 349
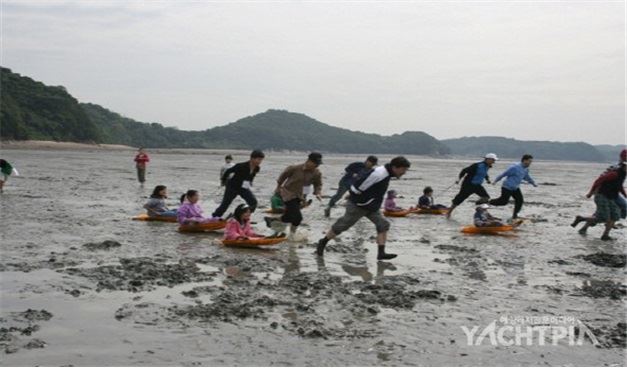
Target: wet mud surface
column 82, row 284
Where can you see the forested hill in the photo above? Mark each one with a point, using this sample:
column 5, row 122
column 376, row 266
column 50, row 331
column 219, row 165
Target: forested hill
column 512, row 148
column 31, row 110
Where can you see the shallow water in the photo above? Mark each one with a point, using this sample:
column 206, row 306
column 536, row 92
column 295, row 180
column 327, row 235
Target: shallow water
column 249, row 307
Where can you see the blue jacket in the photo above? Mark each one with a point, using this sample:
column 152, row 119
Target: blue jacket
column 368, row 191
column 515, row 174
column 475, row 173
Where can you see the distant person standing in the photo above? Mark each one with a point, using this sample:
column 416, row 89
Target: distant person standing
column 366, row 197
column 141, row 159
column 240, row 182
column 290, row 185
column 351, row 173
column 514, row 176
column 228, row 163
column 7, row 170
column 473, row 176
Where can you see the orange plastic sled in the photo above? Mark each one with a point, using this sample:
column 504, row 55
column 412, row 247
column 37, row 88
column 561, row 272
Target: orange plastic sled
column 253, row 242
column 402, row 213
column 489, row 230
column 199, row 228
column 145, row 217
column 422, row 211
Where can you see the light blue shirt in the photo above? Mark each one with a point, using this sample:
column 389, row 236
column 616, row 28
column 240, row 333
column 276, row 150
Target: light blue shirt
column 515, row 174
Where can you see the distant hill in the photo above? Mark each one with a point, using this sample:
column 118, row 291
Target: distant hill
column 34, row 111
column 610, row 151
column 512, row 148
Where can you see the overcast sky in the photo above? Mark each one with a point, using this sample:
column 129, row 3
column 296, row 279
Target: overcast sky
column 529, row 70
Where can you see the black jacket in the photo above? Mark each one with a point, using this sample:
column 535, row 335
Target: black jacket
column 369, row 190
column 241, row 172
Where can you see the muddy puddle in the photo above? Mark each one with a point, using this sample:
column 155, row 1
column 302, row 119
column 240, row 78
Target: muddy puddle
column 82, row 284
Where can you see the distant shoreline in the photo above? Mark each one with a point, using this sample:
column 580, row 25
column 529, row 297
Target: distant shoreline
column 60, row 145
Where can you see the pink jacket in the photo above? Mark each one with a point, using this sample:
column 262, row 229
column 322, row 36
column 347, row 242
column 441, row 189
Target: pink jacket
column 390, row 205
column 189, row 212
column 235, row 230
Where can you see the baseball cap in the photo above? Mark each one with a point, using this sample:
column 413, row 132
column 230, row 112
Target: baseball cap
column 315, row 157
column 491, row 156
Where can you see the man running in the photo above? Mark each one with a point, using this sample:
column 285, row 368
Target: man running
column 240, row 183
column 351, row 173
column 290, row 185
column 473, row 180
column 514, row 175
column 605, row 190
column 366, row 197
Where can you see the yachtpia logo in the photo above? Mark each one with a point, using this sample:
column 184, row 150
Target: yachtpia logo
column 531, row 330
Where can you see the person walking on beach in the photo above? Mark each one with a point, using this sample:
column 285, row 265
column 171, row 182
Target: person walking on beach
column 141, row 159
column 366, row 197
column 351, row 173
column 240, row 183
column 514, row 176
column 473, row 176
column 228, row 163
column 7, row 170
column 290, row 185
column 605, row 189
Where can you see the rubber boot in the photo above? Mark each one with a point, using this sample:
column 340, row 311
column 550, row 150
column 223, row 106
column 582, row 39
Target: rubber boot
column 384, row 256
column 322, row 243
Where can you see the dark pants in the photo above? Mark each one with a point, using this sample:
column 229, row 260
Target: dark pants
column 504, row 199
column 292, row 213
column 341, row 190
column 141, row 174
column 468, row 190
column 230, row 194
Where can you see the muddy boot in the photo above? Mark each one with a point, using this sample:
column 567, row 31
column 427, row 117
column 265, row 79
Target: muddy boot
column 606, row 237
column 322, row 243
column 384, row 256
column 578, row 219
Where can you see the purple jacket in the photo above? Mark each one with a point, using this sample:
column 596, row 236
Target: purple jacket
column 190, row 212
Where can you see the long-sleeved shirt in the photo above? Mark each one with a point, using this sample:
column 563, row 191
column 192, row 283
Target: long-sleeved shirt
column 610, row 183
column 155, row 206
column 475, row 173
column 352, row 171
column 223, row 169
column 484, row 218
column 141, row 160
column 235, row 230
column 425, row 201
column 390, row 205
column 243, row 176
column 294, row 178
column 368, row 191
column 190, row 212
column 515, row 174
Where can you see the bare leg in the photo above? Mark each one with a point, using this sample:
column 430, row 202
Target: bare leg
column 606, row 234
column 382, row 238
column 450, row 211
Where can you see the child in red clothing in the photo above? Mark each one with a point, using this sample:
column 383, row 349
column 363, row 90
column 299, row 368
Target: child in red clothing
column 140, row 162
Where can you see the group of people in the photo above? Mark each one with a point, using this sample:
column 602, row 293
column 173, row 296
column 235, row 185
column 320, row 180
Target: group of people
column 367, row 184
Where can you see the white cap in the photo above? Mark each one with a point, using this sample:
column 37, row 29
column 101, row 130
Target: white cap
column 491, row 156
column 484, row 206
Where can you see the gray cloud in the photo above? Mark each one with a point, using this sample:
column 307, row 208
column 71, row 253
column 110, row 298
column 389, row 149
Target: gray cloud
column 530, row 70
